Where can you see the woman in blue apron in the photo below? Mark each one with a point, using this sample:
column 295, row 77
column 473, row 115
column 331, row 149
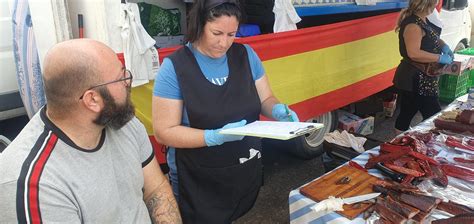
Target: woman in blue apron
column 208, row 85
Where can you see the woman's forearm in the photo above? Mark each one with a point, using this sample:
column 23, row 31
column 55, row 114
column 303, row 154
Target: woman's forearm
column 267, row 106
column 181, row 137
column 423, row 56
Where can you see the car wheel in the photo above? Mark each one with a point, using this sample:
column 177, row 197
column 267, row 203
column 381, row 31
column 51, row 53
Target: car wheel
column 311, row 145
column 460, row 46
column 4, row 142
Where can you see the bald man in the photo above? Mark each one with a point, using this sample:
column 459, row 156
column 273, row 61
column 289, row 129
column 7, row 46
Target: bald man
column 84, row 157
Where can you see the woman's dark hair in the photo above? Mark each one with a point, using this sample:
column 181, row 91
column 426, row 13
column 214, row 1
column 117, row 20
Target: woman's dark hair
column 204, row 11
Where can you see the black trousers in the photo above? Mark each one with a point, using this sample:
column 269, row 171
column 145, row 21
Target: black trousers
column 410, row 104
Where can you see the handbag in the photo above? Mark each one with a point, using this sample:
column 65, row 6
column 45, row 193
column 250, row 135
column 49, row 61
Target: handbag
column 429, row 69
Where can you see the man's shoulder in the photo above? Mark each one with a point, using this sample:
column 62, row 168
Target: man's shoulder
column 135, row 124
column 131, row 140
column 13, row 157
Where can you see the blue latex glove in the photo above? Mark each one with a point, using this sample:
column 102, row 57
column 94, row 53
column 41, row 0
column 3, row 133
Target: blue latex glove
column 212, row 137
column 281, row 112
column 446, row 50
column 445, row 59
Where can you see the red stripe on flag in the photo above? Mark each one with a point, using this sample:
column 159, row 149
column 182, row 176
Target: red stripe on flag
column 33, row 203
column 284, row 44
column 338, row 98
column 277, row 45
column 343, row 96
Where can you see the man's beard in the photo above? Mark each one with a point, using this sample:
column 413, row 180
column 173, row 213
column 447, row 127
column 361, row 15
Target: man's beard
column 113, row 114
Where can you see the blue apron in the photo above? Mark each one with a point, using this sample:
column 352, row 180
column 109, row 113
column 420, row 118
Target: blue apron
column 214, row 187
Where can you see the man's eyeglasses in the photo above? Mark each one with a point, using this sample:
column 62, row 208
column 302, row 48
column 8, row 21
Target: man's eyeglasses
column 127, row 75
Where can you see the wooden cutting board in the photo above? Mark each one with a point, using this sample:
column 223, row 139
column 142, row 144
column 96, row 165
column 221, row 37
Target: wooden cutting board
column 325, row 186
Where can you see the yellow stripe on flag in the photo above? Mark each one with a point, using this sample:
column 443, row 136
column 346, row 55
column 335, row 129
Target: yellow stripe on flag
column 303, row 76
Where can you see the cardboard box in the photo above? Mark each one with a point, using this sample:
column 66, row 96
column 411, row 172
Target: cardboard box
column 389, row 106
column 355, row 124
column 460, row 63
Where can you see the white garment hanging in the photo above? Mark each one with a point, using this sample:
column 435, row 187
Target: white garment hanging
column 286, row 17
column 141, row 57
column 434, row 18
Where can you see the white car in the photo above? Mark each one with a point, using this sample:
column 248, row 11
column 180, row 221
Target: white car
column 457, row 23
column 471, row 11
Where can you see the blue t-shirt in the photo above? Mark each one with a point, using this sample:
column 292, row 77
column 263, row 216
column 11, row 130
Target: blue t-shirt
column 215, row 70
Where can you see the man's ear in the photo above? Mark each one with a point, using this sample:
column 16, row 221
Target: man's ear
column 92, row 101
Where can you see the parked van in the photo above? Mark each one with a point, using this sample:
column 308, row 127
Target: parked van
column 471, row 12
column 457, row 23
column 10, row 100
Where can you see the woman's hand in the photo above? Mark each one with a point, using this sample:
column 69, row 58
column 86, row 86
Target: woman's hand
column 446, row 50
column 445, row 59
column 281, row 112
column 212, row 137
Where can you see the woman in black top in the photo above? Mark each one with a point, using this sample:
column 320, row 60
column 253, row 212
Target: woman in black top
column 419, row 44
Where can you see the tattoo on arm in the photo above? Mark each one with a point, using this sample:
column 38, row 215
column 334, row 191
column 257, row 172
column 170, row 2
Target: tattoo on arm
column 163, row 208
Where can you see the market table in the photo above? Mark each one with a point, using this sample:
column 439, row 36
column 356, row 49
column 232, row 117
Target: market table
column 460, row 191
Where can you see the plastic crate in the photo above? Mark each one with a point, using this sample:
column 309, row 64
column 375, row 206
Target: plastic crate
column 470, row 82
column 467, row 51
column 453, row 86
